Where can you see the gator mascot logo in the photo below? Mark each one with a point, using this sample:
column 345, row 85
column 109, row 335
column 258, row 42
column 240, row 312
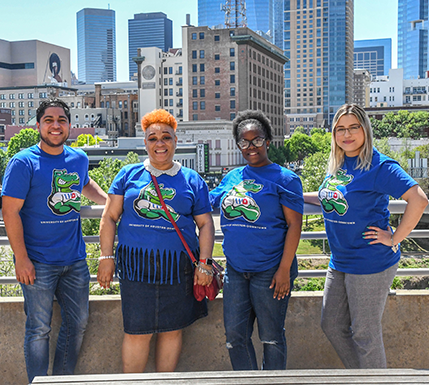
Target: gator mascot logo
column 237, row 203
column 148, row 205
column 63, row 199
column 331, row 193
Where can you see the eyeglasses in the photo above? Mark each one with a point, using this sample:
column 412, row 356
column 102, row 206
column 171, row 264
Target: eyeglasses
column 243, row 144
column 352, row 130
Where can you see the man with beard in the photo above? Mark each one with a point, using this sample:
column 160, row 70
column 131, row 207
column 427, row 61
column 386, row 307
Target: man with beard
column 41, row 210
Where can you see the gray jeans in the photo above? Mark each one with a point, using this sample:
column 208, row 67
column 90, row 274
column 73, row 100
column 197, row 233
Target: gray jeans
column 353, row 306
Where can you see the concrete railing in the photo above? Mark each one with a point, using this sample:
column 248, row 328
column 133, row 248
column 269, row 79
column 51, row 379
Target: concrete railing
column 404, row 327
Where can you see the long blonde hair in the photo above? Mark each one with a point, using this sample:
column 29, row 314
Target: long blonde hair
column 336, row 157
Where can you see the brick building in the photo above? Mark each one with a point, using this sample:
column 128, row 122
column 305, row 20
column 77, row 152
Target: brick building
column 231, row 70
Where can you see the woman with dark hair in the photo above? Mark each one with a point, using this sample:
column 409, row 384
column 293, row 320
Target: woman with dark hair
column 365, row 250
column 155, row 273
column 261, row 216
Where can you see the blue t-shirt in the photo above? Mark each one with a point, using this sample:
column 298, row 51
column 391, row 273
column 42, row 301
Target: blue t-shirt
column 252, row 218
column 144, row 228
column 51, row 186
column 354, row 200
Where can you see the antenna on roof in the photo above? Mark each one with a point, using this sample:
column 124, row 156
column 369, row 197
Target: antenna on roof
column 235, row 13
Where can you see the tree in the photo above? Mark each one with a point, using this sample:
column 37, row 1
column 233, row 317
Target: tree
column 25, row 138
column 3, row 163
column 404, row 124
column 104, row 174
column 300, row 146
column 86, row 139
column 299, row 130
column 382, row 145
column 322, row 141
column 276, row 155
column 314, row 171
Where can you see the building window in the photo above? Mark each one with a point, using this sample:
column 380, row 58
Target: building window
column 30, row 104
column 232, row 104
column 21, row 121
column 202, row 54
column 171, row 102
column 165, row 82
column 195, row 106
column 216, row 37
column 12, row 104
column 21, row 112
column 12, row 112
column 217, row 108
column 165, row 70
column 125, row 104
column 232, row 91
column 195, row 117
column 101, row 104
column 76, row 118
column 86, row 117
column 202, row 67
column 170, row 92
column 43, row 95
column 232, row 78
column 195, row 93
column 232, row 52
column 2, row 96
column 194, row 54
column 194, row 68
column 232, row 66
column 217, row 57
column 20, row 96
column 21, row 104
column 194, row 80
column 217, row 70
column 232, row 116
column 165, row 102
column 170, row 70
column 170, row 81
column 201, row 35
column 194, row 36
column 202, row 93
column 202, row 105
column 217, row 82
column 11, row 96
column 217, row 95
column 202, row 80
column 120, row 104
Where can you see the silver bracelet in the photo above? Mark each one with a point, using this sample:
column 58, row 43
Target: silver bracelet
column 106, row 257
column 205, row 271
column 394, row 247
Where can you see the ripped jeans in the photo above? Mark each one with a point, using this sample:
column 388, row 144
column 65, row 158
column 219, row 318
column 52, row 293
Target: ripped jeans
column 247, row 296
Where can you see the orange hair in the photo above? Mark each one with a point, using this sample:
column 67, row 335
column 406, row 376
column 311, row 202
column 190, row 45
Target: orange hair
column 159, row 116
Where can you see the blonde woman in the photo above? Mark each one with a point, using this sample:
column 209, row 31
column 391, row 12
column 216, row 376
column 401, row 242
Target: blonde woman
column 365, row 249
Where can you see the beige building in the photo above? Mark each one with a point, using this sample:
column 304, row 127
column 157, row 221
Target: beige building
column 230, row 70
column 361, row 83
column 33, row 62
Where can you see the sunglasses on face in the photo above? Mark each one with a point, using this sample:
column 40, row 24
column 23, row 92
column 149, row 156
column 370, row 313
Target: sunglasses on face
column 243, row 144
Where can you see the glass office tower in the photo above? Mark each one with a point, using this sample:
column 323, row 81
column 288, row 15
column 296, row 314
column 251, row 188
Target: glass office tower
column 148, row 30
column 413, row 38
column 318, row 39
column 374, row 55
column 260, row 15
column 96, row 45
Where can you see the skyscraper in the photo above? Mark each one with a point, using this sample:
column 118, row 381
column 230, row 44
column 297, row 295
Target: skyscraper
column 148, row 30
column 96, row 45
column 259, row 13
column 374, row 55
column 318, row 39
column 413, row 37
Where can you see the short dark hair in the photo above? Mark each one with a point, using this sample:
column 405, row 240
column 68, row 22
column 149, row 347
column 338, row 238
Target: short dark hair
column 255, row 117
column 52, row 102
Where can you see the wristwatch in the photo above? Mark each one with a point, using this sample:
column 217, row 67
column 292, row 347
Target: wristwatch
column 208, row 261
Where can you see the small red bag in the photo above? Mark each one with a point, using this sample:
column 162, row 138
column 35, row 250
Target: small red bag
column 211, row 291
column 200, row 292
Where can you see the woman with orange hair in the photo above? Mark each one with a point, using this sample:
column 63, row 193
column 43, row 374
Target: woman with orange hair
column 155, row 273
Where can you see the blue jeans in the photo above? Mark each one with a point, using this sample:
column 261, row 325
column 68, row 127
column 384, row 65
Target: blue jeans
column 247, row 296
column 70, row 285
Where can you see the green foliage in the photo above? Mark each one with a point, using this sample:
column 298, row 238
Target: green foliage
column 424, row 151
column 86, row 140
column 25, row 138
column 309, row 284
column 404, row 124
column 317, row 130
column 300, row 145
column 397, row 283
column 103, row 175
column 3, row 162
column 277, row 155
column 300, row 130
column 314, row 171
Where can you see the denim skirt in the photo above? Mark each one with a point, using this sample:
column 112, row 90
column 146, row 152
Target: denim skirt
column 156, row 306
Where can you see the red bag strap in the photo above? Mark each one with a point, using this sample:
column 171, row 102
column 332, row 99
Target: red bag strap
column 179, row 233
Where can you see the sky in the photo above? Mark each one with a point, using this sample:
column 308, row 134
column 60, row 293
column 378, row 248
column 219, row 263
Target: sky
column 55, row 22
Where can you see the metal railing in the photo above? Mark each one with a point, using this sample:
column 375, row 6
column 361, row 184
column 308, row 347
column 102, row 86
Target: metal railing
column 395, row 207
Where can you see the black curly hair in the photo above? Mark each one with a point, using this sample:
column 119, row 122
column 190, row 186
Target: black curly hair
column 254, row 117
column 52, row 102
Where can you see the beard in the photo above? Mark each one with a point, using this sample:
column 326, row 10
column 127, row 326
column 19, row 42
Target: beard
column 47, row 141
